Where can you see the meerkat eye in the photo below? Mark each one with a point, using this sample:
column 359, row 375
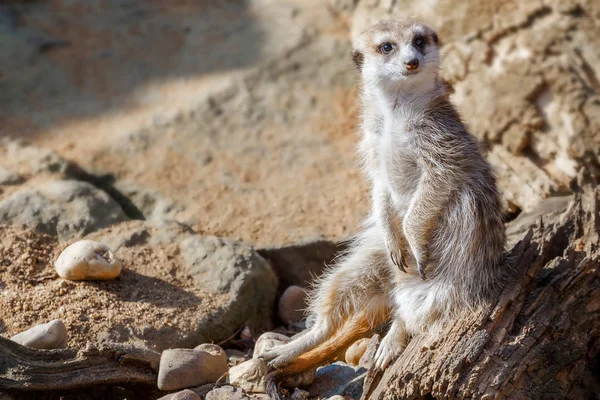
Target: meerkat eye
column 419, row 41
column 386, row 48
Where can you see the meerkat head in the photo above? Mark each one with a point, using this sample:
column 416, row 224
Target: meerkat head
column 396, row 52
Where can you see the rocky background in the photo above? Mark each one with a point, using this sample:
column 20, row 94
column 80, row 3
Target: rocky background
column 210, row 145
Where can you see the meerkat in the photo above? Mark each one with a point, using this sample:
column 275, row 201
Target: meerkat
column 434, row 240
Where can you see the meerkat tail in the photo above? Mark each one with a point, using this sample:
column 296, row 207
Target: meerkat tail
column 355, row 329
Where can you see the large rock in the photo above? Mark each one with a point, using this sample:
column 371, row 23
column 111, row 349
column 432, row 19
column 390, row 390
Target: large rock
column 191, row 289
column 67, row 209
column 231, row 268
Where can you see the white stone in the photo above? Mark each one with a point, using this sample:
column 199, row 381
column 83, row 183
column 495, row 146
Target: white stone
column 250, row 375
column 52, row 335
column 87, row 260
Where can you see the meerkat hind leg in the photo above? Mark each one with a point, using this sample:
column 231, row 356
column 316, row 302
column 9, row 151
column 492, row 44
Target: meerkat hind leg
column 347, row 289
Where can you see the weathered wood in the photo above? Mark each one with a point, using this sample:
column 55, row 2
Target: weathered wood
column 22, row 368
column 540, row 340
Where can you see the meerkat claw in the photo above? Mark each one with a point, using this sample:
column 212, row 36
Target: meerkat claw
column 421, row 269
column 397, row 262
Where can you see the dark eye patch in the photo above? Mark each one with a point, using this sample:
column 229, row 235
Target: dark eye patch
column 420, row 42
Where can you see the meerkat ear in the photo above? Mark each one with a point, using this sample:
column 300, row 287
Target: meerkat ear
column 358, row 59
column 435, row 39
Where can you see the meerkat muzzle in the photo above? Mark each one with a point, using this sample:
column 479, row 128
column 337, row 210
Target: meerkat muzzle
column 412, row 64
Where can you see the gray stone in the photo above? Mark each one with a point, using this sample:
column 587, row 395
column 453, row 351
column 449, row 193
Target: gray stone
column 338, row 378
column 249, row 375
column 217, row 352
column 152, row 204
column 52, row 335
column 183, row 395
column 292, row 304
column 184, row 368
column 223, row 266
column 231, row 393
column 67, row 209
column 32, row 160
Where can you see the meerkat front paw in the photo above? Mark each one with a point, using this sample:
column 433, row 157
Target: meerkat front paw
column 397, row 256
column 387, row 352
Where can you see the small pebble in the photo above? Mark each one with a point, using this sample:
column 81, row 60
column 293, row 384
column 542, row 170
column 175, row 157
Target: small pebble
column 184, row 368
column 52, row 335
column 249, row 375
column 356, row 351
column 292, row 305
column 87, row 260
column 183, row 395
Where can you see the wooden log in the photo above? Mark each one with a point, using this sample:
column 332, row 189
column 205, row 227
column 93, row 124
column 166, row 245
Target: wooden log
column 540, row 339
column 22, row 368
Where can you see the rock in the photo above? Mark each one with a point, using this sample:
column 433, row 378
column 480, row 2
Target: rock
column 250, row 375
column 299, row 394
column 52, row 335
column 183, row 395
column 236, row 357
column 31, row 160
column 67, row 209
column 184, row 368
column 247, row 296
column 292, row 304
column 338, row 379
column 9, row 178
column 356, row 351
column 87, row 260
column 267, row 341
column 152, row 204
column 337, row 397
column 217, row 352
column 232, row 393
column 229, row 267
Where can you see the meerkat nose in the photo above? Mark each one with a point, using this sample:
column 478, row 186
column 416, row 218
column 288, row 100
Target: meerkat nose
column 412, row 64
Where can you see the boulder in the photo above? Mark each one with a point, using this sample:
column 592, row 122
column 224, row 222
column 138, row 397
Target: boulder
column 67, row 209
